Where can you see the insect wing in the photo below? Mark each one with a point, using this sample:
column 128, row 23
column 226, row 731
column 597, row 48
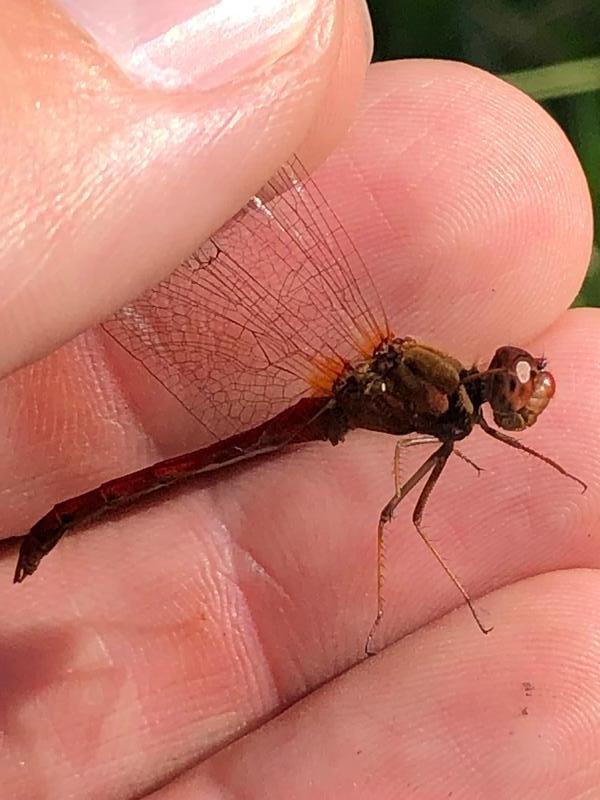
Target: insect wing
column 268, row 310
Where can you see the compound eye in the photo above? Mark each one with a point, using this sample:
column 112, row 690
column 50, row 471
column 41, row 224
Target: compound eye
column 543, row 391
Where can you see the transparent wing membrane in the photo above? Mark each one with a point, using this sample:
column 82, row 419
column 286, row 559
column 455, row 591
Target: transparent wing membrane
column 268, row 310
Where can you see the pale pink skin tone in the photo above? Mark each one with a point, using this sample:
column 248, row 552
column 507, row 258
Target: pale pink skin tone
column 144, row 646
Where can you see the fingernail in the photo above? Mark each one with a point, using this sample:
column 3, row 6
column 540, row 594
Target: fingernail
column 174, row 44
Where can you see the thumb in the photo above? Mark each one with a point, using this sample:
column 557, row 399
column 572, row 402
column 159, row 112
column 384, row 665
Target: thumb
column 131, row 131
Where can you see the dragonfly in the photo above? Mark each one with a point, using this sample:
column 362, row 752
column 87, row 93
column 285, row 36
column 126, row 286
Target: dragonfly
column 296, row 350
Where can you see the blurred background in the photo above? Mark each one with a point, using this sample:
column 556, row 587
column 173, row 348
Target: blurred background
column 549, row 48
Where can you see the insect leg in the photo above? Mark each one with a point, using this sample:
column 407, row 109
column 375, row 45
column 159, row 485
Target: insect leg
column 506, row 439
column 417, row 520
column 386, row 515
column 465, row 458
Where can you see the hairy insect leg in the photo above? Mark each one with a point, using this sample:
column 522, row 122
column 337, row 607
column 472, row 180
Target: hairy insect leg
column 434, row 465
column 417, row 520
column 413, row 441
column 469, row 461
column 506, row 439
column 381, row 541
column 386, row 515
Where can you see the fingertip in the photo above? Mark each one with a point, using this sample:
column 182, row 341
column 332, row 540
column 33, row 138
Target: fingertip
column 467, row 201
column 129, row 180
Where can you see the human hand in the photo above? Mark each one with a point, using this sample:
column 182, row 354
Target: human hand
column 121, row 671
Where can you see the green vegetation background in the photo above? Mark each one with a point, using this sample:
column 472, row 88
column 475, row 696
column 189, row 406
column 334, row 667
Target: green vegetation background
column 549, row 48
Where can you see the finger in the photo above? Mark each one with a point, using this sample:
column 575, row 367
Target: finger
column 342, row 99
column 111, row 178
column 468, row 203
column 281, row 567
column 518, row 517
column 450, row 283
column 522, row 704
column 242, row 591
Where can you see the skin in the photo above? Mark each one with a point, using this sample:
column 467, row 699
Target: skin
column 211, row 645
